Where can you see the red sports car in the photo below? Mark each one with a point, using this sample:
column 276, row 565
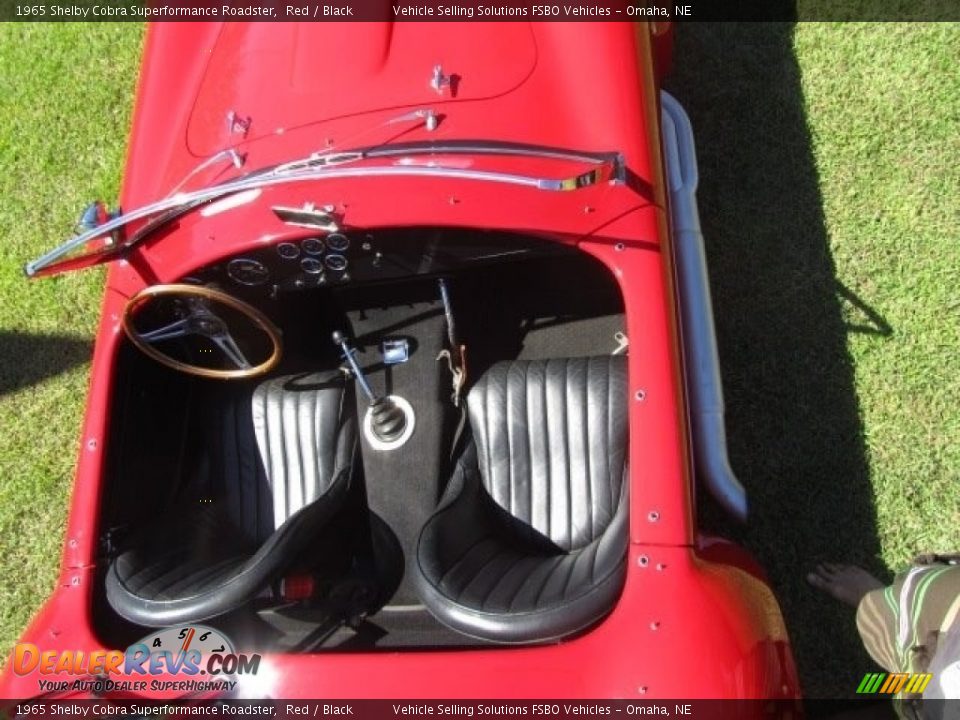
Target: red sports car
column 405, row 380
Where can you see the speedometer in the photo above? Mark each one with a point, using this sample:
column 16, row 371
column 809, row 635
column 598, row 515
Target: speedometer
column 247, row 271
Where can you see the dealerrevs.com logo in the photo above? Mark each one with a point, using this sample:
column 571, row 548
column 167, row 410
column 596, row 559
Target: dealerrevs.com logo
column 203, row 658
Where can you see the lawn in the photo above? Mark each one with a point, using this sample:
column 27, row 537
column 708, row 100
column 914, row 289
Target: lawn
column 829, row 197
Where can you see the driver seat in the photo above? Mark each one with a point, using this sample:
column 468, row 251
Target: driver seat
column 529, row 543
column 278, row 465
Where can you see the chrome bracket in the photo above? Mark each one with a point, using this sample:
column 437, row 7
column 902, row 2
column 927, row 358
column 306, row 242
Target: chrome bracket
column 439, row 81
column 238, row 125
column 310, row 216
column 429, row 116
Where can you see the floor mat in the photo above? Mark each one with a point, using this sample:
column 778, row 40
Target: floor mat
column 403, row 485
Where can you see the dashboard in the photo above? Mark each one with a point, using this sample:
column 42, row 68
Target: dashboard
column 331, row 259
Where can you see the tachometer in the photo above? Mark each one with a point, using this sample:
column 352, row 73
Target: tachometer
column 247, row 271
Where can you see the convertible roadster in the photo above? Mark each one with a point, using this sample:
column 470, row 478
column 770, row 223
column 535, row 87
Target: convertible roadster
column 406, row 380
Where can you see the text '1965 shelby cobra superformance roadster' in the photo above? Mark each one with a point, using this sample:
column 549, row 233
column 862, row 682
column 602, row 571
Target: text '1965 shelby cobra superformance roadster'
column 406, row 378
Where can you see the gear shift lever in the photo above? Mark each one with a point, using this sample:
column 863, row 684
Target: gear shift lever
column 388, row 420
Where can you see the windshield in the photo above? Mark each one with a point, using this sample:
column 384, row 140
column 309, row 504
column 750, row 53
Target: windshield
column 488, row 162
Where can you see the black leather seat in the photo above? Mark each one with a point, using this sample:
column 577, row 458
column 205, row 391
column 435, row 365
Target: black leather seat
column 529, row 541
column 279, row 465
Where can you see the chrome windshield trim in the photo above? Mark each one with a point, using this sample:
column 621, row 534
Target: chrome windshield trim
column 610, row 169
column 468, row 147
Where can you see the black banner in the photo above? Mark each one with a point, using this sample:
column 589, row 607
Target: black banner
column 477, row 10
column 873, row 708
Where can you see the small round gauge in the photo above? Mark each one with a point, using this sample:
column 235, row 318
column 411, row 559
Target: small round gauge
column 336, row 262
column 338, row 242
column 312, row 246
column 288, row 251
column 311, row 266
column 247, row 271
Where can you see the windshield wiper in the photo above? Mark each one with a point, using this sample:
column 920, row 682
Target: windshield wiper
column 318, row 160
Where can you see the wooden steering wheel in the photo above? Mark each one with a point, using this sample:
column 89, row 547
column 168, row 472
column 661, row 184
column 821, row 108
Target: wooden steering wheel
column 196, row 318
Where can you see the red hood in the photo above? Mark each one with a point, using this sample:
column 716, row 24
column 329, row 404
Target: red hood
column 312, row 86
column 287, row 75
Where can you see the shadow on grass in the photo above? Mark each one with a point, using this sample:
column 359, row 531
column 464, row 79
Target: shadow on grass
column 796, row 439
column 27, row 359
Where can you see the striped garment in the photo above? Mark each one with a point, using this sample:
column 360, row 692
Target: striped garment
column 913, row 626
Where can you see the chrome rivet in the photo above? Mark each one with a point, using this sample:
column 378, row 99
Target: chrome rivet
column 642, row 689
column 653, row 516
column 643, row 561
column 640, row 395
column 453, row 201
column 619, row 247
column 661, row 566
column 91, row 445
column 655, row 625
column 587, row 209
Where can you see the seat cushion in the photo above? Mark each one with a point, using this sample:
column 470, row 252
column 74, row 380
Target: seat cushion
column 533, row 548
column 201, row 559
column 551, row 440
column 292, row 419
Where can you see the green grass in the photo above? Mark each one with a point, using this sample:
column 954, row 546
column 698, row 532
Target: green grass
column 829, row 195
column 65, row 105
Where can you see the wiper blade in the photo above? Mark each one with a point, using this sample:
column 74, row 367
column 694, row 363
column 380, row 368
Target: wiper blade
column 318, row 160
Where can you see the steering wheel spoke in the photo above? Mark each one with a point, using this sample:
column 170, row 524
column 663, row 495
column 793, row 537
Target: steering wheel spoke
column 226, row 343
column 200, row 320
column 176, row 329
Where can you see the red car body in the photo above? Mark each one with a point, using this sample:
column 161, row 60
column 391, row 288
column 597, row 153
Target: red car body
column 696, row 618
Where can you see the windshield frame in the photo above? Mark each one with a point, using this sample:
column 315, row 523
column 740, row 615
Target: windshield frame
column 607, row 167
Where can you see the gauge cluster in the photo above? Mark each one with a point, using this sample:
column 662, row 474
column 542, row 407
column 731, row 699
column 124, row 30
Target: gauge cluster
column 353, row 257
column 295, row 264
